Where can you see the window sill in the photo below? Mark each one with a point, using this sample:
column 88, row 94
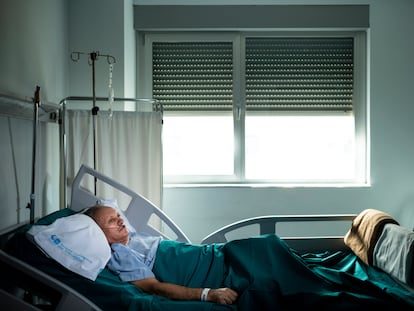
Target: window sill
column 267, row 185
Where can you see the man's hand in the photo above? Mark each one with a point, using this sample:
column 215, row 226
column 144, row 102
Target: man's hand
column 222, row 295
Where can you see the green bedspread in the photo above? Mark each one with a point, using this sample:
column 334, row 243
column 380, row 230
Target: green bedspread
column 267, row 274
column 270, row 276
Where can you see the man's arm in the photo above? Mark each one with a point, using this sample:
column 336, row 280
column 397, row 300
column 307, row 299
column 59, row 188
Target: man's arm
column 177, row 292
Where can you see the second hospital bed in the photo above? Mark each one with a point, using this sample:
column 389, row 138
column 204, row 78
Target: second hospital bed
column 33, row 281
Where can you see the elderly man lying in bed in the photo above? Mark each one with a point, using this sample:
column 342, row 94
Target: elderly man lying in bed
column 258, row 273
column 134, row 255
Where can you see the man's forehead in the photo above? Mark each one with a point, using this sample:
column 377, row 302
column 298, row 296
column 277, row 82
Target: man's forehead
column 106, row 212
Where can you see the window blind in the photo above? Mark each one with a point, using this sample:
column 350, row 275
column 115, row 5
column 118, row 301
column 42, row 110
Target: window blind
column 295, row 73
column 299, row 74
column 193, row 75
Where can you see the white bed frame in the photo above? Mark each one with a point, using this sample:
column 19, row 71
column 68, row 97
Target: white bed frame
column 140, row 213
column 268, row 225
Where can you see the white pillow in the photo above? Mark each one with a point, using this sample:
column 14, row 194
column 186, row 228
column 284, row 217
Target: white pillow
column 76, row 242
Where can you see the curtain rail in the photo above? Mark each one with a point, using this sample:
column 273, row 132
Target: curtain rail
column 156, row 104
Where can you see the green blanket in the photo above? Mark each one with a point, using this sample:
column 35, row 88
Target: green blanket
column 267, row 274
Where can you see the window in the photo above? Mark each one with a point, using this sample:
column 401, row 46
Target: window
column 261, row 107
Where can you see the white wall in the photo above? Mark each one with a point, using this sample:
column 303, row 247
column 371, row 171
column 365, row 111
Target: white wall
column 44, row 32
column 37, row 38
column 33, row 36
column 33, row 48
column 200, row 210
column 103, row 26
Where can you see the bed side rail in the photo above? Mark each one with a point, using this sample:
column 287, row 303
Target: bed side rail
column 19, row 281
column 143, row 215
column 269, row 224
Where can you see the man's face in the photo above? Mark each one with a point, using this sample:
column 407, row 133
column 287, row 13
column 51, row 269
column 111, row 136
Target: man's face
column 112, row 225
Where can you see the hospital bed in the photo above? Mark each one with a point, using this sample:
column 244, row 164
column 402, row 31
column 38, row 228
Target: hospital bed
column 32, row 281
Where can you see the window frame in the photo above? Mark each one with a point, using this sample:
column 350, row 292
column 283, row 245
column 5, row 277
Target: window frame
column 360, row 108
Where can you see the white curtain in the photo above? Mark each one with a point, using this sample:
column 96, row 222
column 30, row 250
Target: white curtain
column 128, row 150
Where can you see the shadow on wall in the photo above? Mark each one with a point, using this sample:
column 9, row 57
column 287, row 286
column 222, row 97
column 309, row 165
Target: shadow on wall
column 405, row 213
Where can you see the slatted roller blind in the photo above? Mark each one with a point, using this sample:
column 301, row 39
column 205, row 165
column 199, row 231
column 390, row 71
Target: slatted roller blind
column 191, row 76
column 299, row 74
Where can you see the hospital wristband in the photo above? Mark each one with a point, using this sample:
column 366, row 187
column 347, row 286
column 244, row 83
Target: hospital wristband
column 204, row 294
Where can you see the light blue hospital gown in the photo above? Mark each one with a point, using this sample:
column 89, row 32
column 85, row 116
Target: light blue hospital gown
column 134, row 261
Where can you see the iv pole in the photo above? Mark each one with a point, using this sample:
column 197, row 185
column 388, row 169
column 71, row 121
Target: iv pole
column 93, row 57
column 31, row 204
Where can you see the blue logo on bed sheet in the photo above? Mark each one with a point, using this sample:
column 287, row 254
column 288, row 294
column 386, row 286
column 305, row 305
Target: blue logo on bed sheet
column 55, row 239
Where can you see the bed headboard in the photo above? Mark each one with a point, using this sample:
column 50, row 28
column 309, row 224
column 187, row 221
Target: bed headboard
column 143, row 215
